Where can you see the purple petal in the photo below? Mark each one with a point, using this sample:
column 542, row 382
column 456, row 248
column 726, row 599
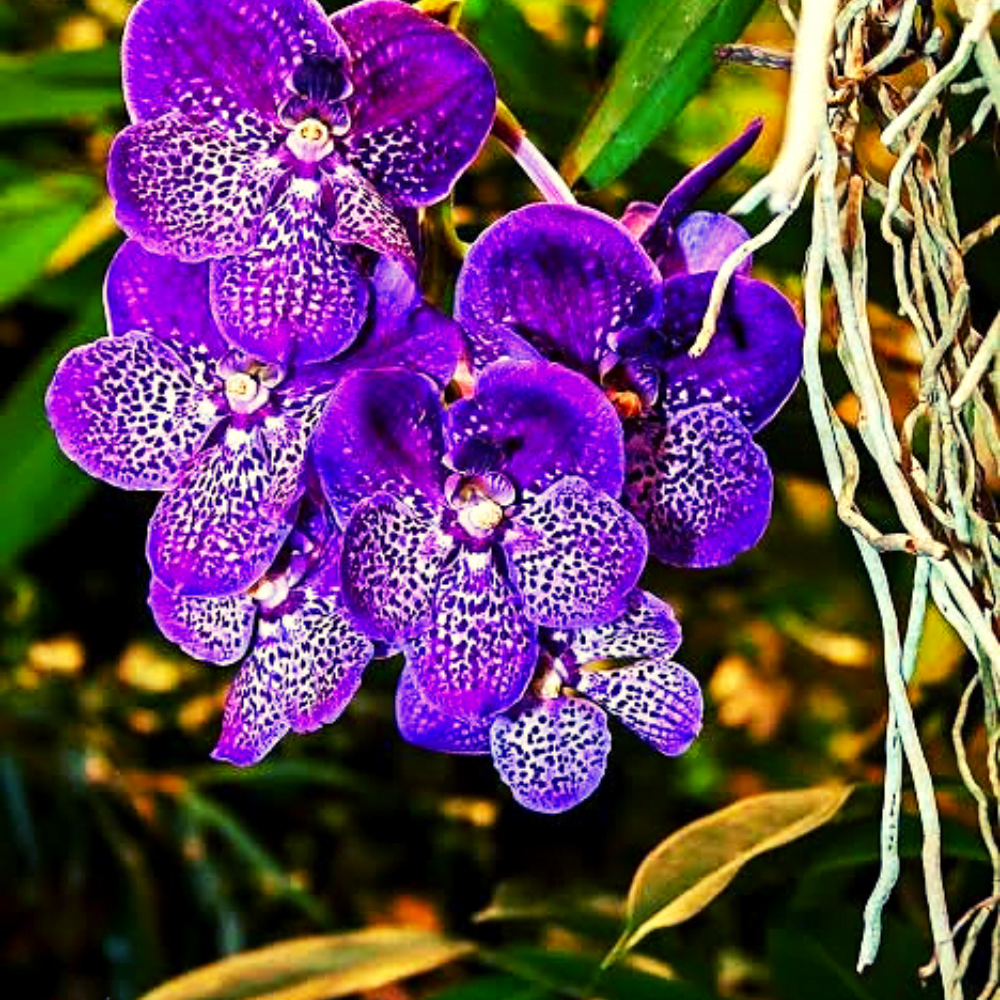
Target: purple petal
column 326, row 659
column 297, row 293
column 655, row 227
column 190, row 190
column 215, row 629
column 545, row 422
column 565, row 278
column 127, row 410
column 754, row 360
column 218, row 530
column 363, row 217
column 701, row 243
column 423, row 100
column 553, row 753
column 574, row 555
column 255, row 718
column 208, row 56
column 381, row 431
column 699, row 484
column 479, row 653
column 421, row 724
column 164, row 297
column 392, row 557
column 657, row 699
column 648, row 627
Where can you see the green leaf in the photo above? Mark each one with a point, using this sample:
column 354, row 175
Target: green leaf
column 40, row 488
column 318, row 968
column 35, row 217
column 664, row 63
column 56, row 86
column 578, row 974
column 691, row 867
column 497, row 987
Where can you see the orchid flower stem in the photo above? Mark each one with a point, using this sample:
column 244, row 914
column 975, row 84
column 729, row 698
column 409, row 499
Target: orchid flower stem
column 541, row 173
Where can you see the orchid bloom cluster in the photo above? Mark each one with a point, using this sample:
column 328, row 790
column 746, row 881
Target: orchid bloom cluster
column 346, row 472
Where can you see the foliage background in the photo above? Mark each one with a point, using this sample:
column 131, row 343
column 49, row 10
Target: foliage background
column 127, row 857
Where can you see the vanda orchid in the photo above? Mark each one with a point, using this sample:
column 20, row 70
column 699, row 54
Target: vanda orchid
column 347, row 473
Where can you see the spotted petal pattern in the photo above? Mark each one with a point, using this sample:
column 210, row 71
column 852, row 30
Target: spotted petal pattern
column 657, row 699
column 206, row 57
column 389, row 567
column 381, row 431
column 215, row 629
column 648, row 627
column 574, row 556
column 423, row 103
column 297, row 292
column 192, row 191
column 423, row 725
column 217, row 531
column 543, row 422
column 567, row 279
column 553, row 753
column 699, row 484
column 362, row 216
column 127, row 410
column 479, row 652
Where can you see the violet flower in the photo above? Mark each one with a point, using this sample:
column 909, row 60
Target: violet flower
column 571, row 284
column 275, row 141
column 467, row 530
column 162, row 403
column 551, row 748
column 302, row 660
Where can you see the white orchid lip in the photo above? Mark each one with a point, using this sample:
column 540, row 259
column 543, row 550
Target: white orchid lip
column 310, row 141
column 244, row 393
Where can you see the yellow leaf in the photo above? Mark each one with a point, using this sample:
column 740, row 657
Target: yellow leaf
column 317, row 968
column 681, row 876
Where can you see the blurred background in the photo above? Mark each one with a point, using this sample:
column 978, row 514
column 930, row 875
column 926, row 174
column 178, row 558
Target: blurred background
column 128, row 857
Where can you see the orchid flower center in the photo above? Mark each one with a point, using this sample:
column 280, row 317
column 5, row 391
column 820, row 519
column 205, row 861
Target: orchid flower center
column 269, row 592
column 244, row 393
column 310, row 141
column 480, row 501
column 628, row 403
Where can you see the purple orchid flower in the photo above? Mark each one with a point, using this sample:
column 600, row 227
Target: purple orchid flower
column 569, row 283
column 302, row 659
column 467, row 530
column 551, row 748
column 275, row 142
column 163, row 403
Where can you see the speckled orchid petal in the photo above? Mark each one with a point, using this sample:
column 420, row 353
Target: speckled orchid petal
column 552, row 753
column 699, row 484
column 391, row 559
column 191, row 190
column 127, row 410
column 214, row 629
column 657, row 699
column 217, row 531
column 362, row 216
column 167, row 298
column 754, row 360
column 543, row 422
column 423, row 100
column 381, row 431
column 647, row 627
column 326, row 658
column 297, row 295
column 479, row 652
column 255, row 716
column 204, row 58
column 423, row 725
column 567, row 279
column 574, row 555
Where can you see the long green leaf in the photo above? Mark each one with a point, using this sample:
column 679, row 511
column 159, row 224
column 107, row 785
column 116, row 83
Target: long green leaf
column 318, row 968
column 662, row 66
column 40, row 488
column 58, row 86
column 691, row 867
